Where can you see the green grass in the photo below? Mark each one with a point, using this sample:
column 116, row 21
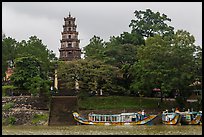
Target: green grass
column 6, row 88
column 9, row 121
column 39, row 118
column 118, row 102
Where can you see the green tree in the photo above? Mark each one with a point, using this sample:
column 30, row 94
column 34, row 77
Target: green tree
column 11, row 49
column 95, row 48
column 35, row 47
column 120, row 52
column 149, row 23
column 8, row 52
column 165, row 64
column 198, row 63
column 133, row 38
column 151, row 69
column 28, row 76
column 92, row 75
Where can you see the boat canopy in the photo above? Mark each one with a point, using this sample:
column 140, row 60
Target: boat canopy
column 123, row 117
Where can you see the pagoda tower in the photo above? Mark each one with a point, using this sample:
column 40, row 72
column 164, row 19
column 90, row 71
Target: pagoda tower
column 69, row 43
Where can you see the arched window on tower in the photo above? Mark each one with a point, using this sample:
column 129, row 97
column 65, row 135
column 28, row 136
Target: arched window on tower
column 63, row 45
column 69, row 36
column 69, row 22
column 69, row 29
column 69, row 45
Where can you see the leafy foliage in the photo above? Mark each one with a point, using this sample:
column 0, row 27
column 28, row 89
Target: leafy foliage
column 149, row 23
column 7, row 88
column 165, row 65
column 11, row 50
column 8, row 106
column 8, row 52
column 92, row 75
column 33, row 63
column 95, row 49
column 28, row 75
column 37, row 118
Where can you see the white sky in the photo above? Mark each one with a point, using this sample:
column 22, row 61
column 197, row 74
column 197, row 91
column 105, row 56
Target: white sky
column 20, row 20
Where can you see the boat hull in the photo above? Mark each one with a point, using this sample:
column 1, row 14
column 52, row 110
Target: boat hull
column 190, row 119
column 173, row 121
column 183, row 118
column 87, row 122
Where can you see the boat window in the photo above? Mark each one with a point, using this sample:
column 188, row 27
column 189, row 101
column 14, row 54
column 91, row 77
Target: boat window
column 188, row 117
column 114, row 118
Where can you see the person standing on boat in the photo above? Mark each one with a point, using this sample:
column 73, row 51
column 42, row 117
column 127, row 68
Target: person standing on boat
column 143, row 114
column 90, row 118
column 177, row 110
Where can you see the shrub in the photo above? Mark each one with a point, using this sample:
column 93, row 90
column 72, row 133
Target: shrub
column 8, row 106
column 39, row 118
column 7, row 90
column 11, row 120
column 4, row 121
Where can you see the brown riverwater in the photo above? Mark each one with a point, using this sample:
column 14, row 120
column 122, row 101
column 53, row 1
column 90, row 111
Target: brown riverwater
column 103, row 130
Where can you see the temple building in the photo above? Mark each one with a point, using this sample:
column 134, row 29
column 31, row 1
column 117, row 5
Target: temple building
column 69, row 51
column 69, row 43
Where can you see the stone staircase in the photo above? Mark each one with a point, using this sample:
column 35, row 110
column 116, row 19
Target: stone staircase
column 61, row 108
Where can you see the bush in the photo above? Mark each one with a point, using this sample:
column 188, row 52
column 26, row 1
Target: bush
column 8, row 90
column 4, row 121
column 83, row 94
column 11, row 120
column 37, row 118
column 8, row 106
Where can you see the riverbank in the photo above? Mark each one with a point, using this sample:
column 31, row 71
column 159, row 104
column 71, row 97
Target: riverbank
column 27, row 110
column 117, row 104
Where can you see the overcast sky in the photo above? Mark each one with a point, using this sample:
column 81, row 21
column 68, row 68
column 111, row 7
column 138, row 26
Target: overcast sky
column 20, row 20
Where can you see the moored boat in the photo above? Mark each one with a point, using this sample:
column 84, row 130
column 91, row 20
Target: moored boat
column 183, row 118
column 191, row 118
column 171, row 118
column 115, row 119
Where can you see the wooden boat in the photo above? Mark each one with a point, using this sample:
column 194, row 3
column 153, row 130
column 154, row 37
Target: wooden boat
column 184, row 118
column 171, row 118
column 191, row 118
column 115, row 119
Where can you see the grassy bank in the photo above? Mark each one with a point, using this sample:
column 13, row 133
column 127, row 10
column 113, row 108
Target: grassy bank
column 123, row 102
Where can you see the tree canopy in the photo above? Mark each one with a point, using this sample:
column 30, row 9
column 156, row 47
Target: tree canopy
column 29, row 76
column 149, row 23
column 152, row 55
column 92, row 75
column 165, row 65
column 25, row 55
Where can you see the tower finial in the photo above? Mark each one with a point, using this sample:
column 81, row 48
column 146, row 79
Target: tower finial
column 69, row 14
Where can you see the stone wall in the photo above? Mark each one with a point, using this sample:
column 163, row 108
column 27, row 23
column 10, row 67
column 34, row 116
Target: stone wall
column 23, row 109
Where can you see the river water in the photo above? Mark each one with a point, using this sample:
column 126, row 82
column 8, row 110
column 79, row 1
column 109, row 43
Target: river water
column 103, row 130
